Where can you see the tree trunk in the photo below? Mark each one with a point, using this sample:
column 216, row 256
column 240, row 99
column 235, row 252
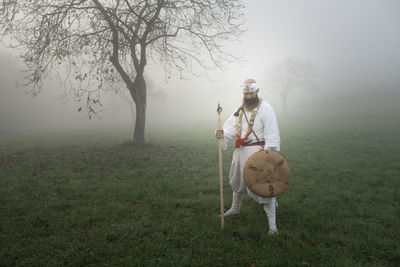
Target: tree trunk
column 138, row 136
column 140, row 102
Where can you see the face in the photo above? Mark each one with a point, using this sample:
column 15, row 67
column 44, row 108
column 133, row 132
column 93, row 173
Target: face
column 250, row 95
column 250, row 100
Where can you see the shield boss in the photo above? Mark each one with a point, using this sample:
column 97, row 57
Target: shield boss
column 267, row 173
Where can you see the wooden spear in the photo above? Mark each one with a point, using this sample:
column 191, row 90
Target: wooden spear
column 221, row 186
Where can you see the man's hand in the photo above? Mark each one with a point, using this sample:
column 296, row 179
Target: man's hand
column 219, row 133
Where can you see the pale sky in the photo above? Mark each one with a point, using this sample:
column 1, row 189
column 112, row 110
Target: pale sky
column 353, row 44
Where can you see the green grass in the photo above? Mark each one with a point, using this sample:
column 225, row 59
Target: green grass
column 99, row 201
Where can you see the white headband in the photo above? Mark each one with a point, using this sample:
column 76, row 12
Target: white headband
column 249, row 87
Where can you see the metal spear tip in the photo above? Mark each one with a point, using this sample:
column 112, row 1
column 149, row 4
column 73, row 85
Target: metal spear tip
column 219, row 108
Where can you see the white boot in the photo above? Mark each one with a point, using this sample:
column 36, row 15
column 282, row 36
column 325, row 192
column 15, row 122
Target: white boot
column 270, row 209
column 236, row 202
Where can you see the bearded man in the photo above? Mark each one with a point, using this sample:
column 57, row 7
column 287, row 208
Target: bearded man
column 254, row 126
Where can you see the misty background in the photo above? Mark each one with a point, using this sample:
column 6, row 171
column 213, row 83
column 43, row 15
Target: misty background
column 353, row 46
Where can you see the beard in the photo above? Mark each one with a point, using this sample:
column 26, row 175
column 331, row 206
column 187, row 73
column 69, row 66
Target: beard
column 250, row 104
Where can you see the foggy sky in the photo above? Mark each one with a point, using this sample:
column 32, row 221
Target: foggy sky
column 354, row 46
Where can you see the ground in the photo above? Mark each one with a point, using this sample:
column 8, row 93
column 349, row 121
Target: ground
column 97, row 200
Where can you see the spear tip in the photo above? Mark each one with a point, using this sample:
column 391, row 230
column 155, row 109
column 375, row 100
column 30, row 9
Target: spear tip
column 219, row 108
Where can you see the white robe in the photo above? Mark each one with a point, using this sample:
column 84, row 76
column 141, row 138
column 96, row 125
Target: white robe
column 266, row 128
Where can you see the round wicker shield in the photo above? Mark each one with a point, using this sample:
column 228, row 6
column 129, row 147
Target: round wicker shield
column 267, row 173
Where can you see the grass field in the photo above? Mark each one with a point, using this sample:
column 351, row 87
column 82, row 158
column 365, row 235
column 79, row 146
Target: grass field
column 94, row 200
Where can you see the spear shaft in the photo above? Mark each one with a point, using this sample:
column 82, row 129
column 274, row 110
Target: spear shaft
column 221, row 186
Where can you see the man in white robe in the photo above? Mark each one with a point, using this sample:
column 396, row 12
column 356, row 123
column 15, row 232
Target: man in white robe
column 266, row 131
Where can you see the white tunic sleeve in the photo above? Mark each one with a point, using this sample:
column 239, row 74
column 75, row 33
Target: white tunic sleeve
column 271, row 130
column 229, row 128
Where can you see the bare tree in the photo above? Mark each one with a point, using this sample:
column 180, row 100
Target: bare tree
column 88, row 44
column 290, row 74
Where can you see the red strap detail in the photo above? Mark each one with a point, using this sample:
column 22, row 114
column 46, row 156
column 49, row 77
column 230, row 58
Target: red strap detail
column 240, row 141
column 237, row 144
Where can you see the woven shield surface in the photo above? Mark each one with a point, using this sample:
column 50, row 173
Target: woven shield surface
column 267, row 173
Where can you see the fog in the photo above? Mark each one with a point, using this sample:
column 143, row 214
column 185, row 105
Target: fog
column 353, row 46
